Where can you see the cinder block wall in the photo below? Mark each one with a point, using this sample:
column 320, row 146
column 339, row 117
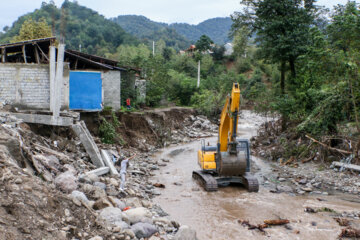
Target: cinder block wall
column 28, row 85
column 112, row 89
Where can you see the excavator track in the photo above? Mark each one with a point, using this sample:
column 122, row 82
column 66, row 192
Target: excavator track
column 206, row 180
column 250, row 182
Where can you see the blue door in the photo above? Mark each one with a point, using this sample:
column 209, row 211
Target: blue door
column 85, row 91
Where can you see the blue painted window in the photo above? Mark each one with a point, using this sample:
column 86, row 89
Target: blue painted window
column 85, row 91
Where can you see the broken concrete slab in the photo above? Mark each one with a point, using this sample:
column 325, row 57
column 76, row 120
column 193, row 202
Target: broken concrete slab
column 44, row 119
column 98, row 172
column 108, row 162
column 347, row 166
column 87, row 141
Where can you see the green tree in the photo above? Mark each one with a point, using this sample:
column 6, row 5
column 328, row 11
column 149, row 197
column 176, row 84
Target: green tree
column 281, row 27
column 203, row 43
column 31, row 29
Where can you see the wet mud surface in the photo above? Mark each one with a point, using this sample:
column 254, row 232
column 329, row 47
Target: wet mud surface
column 215, row 215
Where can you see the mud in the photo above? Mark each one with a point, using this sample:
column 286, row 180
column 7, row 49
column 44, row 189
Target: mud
column 215, row 215
column 143, row 130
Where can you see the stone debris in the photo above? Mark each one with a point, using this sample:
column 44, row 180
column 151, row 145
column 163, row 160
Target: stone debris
column 86, row 199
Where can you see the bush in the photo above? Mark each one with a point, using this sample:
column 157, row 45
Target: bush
column 107, row 131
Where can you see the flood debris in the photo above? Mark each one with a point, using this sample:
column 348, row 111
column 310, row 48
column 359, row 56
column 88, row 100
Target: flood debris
column 49, row 177
column 276, row 222
column 349, row 232
column 267, row 223
column 342, row 222
column 250, row 226
column 159, row 185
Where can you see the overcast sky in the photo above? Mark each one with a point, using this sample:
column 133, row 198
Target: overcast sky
column 169, row 11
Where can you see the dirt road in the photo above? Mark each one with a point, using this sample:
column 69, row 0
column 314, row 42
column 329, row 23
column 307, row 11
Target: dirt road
column 215, row 215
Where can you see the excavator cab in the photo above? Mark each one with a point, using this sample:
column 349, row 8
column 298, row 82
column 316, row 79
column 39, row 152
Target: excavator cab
column 229, row 161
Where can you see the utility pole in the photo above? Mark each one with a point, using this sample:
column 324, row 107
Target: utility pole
column 153, row 48
column 198, row 80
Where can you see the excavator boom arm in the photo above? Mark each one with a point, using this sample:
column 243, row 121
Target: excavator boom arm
column 229, row 119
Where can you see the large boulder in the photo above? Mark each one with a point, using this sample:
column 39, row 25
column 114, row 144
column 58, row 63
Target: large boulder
column 117, row 202
column 111, row 216
column 136, row 215
column 79, row 196
column 143, row 230
column 185, row 233
column 66, row 182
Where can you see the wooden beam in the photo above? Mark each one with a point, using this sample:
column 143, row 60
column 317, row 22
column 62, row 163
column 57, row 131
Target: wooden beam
column 37, row 57
column 24, row 53
column 42, row 52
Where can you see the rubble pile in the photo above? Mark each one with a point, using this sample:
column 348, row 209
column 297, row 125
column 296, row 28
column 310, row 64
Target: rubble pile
column 299, row 165
column 44, row 172
column 194, row 127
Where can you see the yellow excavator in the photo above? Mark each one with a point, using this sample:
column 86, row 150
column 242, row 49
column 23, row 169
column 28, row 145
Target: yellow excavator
column 229, row 161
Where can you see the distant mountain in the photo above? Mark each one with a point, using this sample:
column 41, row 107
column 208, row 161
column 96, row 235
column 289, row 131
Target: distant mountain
column 216, row 28
column 148, row 30
column 81, row 25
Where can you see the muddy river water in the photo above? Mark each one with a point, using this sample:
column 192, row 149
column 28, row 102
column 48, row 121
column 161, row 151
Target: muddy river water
column 214, row 215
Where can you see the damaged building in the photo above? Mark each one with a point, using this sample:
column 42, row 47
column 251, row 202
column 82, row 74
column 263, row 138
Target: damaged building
column 87, row 82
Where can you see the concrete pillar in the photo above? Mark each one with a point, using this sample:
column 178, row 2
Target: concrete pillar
column 59, row 80
column 52, row 70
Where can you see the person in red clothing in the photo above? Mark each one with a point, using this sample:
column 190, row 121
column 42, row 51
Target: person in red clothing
column 128, row 103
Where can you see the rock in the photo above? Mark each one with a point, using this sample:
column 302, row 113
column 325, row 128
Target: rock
column 137, row 214
column 133, row 202
column 117, row 202
column 93, row 177
column 96, row 238
column 300, row 192
column 111, row 215
column 129, row 233
column 163, row 221
column 146, row 203
column 114, row 182
column 102, row 203
column 100, row 185
column 156, row 208
column 53, row 161
column 307, row 189
column 303, row 181
column 185, row 233
column 284, row 188
column 18, row 181
column 175, row 224
column 98, row 193
column 66, row 182
column 143, row 230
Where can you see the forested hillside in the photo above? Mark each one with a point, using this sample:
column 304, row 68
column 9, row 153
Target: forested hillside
column 149, row 31
column 80, row 26
column 216, row 28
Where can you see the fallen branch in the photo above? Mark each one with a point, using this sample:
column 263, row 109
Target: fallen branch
column 327, row 146
column 308, row 159
column 276, row 222
column 250, row 226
